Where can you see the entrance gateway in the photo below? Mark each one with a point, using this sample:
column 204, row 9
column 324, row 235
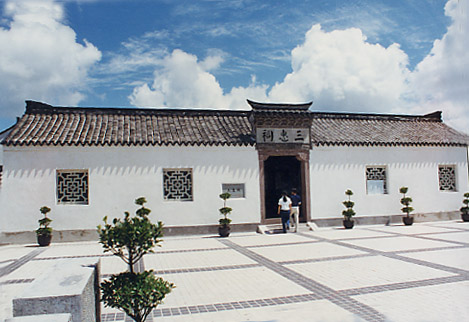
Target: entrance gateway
column 283, row 143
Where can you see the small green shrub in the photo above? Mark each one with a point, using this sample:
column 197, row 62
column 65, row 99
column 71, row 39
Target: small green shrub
column 225, row 211
column 405, row 201
column 465, row 201
column 349, row 212
column 44, row 229
column 137, row 294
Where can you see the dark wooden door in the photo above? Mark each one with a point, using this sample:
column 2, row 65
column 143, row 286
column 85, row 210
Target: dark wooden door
column 281, row 173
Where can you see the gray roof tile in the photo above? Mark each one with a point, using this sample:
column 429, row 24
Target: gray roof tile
column 43, row 124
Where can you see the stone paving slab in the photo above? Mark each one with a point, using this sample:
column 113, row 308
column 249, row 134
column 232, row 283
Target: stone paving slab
column 268, row 239
column 344, row 234
column 192, row 243
column 319, row 311
column 12, row 252
column 7, row 293
column 73, row 250
column 414, row 229
column 398, row 243
column 458, row 258
column 211, row 258
column 305, row 251
column 437, row 303
column 365, row 271
column 30, row 270
column 228, row 286
column 455, row 224
column 369, row 273
column 462, row 237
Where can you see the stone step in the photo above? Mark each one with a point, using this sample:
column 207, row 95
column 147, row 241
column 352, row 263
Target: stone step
column 277, row 228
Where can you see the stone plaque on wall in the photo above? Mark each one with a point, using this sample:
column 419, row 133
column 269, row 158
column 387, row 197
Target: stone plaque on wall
column 282, row 136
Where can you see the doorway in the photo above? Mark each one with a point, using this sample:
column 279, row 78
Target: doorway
column 281, row 173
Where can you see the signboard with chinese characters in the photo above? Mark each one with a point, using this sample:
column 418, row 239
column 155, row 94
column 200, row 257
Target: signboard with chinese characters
column 287, row 135
column 235, row 189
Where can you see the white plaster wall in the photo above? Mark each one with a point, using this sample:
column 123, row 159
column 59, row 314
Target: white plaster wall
column 117, row 176
column 336, row 169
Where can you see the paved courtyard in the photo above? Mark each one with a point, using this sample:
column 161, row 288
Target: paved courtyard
column 369, row 273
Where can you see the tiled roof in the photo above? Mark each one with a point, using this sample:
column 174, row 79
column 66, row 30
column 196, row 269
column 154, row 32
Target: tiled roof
column 384, row 130
column 282, row 108
column 43, row 124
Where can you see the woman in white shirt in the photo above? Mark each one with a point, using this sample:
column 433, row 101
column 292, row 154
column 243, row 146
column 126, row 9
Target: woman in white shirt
column 284, row 210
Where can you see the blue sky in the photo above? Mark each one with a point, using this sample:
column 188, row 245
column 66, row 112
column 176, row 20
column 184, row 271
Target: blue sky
column 403, row 56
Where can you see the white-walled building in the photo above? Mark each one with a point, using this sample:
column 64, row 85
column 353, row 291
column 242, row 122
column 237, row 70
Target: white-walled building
column 87, row 163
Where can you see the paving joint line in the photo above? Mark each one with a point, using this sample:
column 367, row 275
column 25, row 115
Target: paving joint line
column 395, row 255
column 444, row 240
column 323, row 259
column 419, row 250
column 18, row 281
column 283, row 244
column 366, row 312
column 20, row 262
column 403, row 285
column 217, row 307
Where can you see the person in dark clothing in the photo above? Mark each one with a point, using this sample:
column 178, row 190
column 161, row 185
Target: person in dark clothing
column 295, row 208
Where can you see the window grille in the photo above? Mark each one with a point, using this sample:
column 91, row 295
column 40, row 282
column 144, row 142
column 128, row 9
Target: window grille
column 376, row 180
column 72, row 187
column 447, row 177
column 177, row 184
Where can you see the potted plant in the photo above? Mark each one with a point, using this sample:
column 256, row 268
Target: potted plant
column 407, row 209
column 465, row 208
column 44, row 232
column 348, row 213
column 224, row 228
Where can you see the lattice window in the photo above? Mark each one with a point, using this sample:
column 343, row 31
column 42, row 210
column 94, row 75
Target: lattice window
column 376, row 180
column 447, row 177
column 72, row 187
column 177, row 184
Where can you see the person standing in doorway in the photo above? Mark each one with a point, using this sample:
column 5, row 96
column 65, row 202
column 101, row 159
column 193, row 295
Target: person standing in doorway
column 295, row 212
column 284, row 210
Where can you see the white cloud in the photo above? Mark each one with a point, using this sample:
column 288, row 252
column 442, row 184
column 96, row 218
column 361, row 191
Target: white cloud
column 340, row 70
column 40, row 57
column 183, row 81
column 441, row 80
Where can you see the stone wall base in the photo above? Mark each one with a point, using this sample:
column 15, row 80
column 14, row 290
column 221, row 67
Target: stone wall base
column 390, row 219
column 29, row 237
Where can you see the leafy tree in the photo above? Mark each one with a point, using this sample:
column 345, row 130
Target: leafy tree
column 137, row 294
column 132, row 237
